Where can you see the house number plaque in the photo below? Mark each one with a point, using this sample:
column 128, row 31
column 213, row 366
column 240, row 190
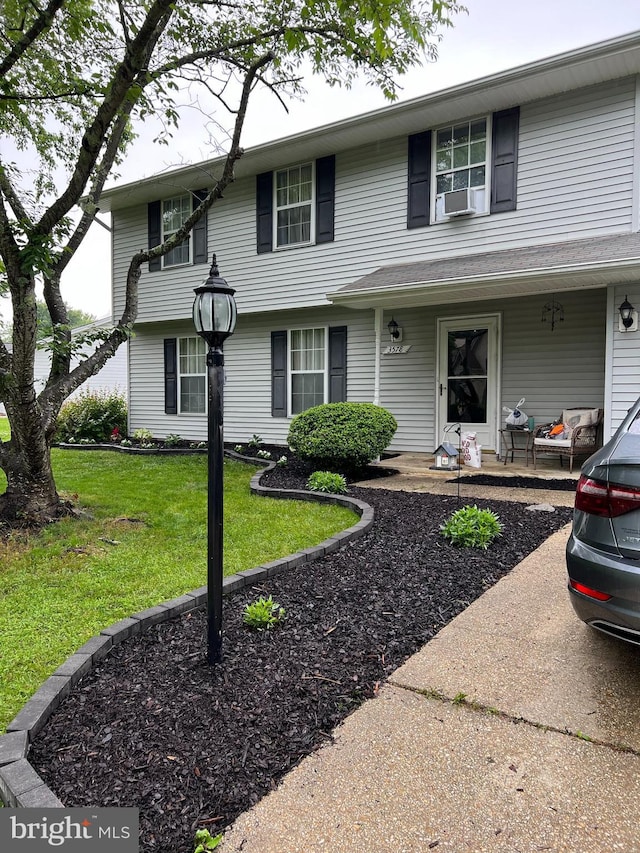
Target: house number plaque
column 396, row 350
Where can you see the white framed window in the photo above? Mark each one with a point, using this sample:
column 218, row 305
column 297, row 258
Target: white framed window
column 192, row 375
column 174, row 213
column 461, row 162
column 294, row 221
column 307, row 368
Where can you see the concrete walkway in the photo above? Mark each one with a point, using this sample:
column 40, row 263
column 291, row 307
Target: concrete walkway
column 516, row 728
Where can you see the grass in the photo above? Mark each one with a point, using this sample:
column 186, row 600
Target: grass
column 144, row 543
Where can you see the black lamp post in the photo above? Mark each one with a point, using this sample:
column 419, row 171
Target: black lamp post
column 214, row 316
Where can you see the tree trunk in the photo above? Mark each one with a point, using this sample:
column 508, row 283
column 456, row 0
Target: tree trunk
column 31, row 497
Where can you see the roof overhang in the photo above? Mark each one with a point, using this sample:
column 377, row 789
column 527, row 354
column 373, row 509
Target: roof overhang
column 608, row 60
column 492, row 285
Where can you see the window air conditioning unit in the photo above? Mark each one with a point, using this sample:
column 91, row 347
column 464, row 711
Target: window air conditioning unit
column 458, row 203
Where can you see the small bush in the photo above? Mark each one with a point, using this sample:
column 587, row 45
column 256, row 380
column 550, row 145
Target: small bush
column 264, row 613
column 92, row 417
column 142, row 434
column 341, row 436
column 472, row 527
column 173, row 439
column 255, row 441
column 326, row 481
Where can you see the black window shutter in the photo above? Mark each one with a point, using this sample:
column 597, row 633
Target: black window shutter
column 418, row 190
column 325, row 198
column 155, row 232
column 200, row 253
column 337, row 364
column 279, row 374
column 170, row 376
column 264, row 212
column 504, row 153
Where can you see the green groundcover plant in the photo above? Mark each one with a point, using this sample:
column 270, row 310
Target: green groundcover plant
column 471, row 527
column 263, row 613
column 328, row 482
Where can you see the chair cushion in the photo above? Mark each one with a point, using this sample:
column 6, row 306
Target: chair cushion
column 573, row 418
column 552, row 442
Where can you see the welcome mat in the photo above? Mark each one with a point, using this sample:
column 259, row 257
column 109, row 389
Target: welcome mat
column 517, row 482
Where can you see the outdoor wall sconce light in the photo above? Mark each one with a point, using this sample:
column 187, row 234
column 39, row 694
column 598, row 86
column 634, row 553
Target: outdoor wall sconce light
column 214, row 316
column 395, row 331
column 628, row 317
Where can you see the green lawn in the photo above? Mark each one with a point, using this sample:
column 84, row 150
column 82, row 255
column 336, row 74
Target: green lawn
column 145, row 542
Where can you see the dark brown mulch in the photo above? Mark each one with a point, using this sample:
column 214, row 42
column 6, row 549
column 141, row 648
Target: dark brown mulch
column 517, row 482
column 153, row 726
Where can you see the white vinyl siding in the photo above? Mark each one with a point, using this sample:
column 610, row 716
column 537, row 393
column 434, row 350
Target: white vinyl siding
column 247, row 391
column 625, row 385
column 575, row 179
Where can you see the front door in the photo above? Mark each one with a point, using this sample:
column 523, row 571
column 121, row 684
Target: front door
column 468, row 368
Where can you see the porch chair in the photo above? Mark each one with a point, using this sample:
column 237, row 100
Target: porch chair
column 581, row 436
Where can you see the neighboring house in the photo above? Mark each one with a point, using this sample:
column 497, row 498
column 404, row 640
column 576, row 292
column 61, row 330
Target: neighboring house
column 496, row 222
column 111, row 378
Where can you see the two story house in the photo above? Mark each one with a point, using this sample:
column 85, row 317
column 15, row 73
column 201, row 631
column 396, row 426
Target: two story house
column 442, row 257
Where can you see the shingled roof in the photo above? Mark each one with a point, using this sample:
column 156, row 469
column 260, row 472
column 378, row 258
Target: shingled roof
column 530, row 269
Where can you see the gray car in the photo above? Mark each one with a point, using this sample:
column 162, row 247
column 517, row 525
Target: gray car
column 603, row 553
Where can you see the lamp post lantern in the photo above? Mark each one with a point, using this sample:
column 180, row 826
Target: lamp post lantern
column 214, row 316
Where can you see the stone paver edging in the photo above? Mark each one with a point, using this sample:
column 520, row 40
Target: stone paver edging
column 20, row 785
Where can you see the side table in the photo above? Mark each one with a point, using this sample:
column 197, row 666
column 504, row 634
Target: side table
column 517, row 441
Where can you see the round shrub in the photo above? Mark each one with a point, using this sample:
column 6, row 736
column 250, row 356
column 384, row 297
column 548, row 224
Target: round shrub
column 341, row 436
column 92, row 416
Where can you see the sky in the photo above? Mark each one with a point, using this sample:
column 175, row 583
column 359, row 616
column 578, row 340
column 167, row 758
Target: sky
column 493, row 36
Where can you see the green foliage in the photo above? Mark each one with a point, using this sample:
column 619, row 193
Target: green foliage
column 173, row 439
column 205, row 841
column 255, row 442
column 472, row 527
column 92, row 416
column 341, row 436
column 142, row 434
column 263, row 613
column 326, row 481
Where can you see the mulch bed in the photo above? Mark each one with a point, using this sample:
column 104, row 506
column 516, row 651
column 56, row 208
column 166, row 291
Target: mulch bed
column 517, row 482
column 154, row 727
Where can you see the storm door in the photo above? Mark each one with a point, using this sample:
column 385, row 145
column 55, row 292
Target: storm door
column 468, row 377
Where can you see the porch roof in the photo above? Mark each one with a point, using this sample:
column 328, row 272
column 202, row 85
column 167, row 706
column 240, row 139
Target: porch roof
column 522, row 271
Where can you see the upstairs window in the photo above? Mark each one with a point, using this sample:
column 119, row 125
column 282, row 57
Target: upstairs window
column 476, row 159
column 294, row 205
column 175, row 211
column 460, row 163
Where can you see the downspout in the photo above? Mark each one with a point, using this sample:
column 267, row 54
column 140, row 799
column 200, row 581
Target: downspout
column 378, row 317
